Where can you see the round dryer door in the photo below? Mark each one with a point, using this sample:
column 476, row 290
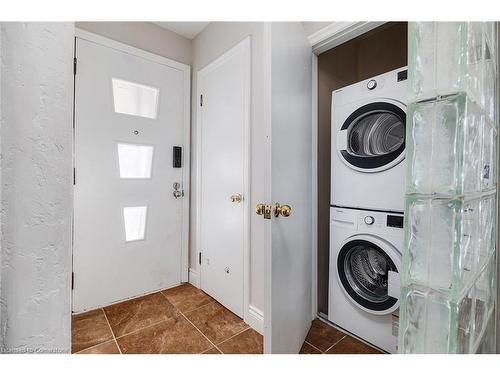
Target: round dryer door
column 363, row 266
column 374, row 136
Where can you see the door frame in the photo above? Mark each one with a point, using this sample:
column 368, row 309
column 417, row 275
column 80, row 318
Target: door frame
column 186, row 70
column 245, row 46
column 321, row 41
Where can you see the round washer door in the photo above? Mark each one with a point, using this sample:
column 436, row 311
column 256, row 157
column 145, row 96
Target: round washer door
column 374, row 136
column 363, row 265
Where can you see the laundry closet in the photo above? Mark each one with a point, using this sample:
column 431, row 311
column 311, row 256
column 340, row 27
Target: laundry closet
column 362, row 91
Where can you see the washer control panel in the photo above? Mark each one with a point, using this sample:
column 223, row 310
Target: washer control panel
column 379, row 220
column 371, row 220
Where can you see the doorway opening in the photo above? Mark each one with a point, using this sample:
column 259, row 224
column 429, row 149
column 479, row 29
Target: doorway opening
column 131, row 172
column 368, row 142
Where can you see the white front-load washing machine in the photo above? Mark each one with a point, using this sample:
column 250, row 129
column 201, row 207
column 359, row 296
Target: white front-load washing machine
column 365, row 261
column 368, row 143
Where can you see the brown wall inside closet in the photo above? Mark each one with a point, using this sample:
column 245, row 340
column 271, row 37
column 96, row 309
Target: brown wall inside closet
column 373, row 53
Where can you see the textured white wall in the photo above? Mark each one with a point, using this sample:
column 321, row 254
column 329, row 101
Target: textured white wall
column 36, row 176
column 212, row 42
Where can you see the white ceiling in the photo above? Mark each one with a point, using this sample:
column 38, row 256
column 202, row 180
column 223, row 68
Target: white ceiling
column 186, row 29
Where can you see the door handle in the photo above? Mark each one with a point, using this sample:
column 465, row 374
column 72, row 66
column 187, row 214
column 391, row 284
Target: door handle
column 283, row 210
column 268, row 210
column 236, row 198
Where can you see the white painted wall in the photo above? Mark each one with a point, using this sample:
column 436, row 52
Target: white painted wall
column 146, row 36
column 312, row 27
column 212, row 42
column 36, row 174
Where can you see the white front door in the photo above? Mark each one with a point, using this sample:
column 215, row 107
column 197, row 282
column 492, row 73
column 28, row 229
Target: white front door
column 223, row 127
column 129, row 231
column 288, row 254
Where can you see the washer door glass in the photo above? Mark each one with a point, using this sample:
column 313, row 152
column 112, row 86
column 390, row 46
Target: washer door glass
column 375, row 135
column 363, row 269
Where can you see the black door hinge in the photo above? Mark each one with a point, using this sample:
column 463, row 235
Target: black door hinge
column 199, row 258
column 72, row 280
column 201, row 100
column 74, row 66
column 74, row 176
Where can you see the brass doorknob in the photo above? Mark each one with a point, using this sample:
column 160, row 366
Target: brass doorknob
column 236, row 198
column 283, row 210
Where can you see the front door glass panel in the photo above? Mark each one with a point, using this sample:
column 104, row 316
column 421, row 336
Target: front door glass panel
column 135, row 99
column 135, row 161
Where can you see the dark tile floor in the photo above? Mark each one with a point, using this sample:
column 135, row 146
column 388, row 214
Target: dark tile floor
column 178, row 320
column 324, row 339
column 186, row 320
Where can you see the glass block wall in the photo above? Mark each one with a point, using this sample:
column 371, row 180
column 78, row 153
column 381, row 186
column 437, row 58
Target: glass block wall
column 448, row 279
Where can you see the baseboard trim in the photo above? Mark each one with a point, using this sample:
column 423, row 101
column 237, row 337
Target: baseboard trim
column 256, row 319
column 194, row 278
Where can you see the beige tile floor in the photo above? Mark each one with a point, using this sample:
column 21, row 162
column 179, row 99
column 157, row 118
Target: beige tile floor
column 178, row 320
column 186, row 320
column 325, row 339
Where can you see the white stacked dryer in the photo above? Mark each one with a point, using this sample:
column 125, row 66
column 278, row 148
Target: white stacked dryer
column 368, row 143
column 367, row 204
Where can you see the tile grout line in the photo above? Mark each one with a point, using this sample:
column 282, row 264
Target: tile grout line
column 336, row 343
column 152, row 324
column 214, row 347
column 93, row 346
column 240, row 332
column 315, row 347
column 145, row 327
column 210, row 341
column 111, row 329
column 162, row 321
column 190, row 322
column 196, row 308
column 199, row 307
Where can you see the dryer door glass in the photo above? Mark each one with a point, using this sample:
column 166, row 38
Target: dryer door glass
column 375, row 135
column 363, row 269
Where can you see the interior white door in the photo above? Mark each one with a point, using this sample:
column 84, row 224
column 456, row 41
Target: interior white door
column 288, row 255
column 128, row 226
column 223, row 119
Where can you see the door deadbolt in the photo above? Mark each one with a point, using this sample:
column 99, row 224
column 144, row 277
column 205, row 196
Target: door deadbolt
column 259, row 209
column 264, row 209
column 267, row 210
column 177, row 193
